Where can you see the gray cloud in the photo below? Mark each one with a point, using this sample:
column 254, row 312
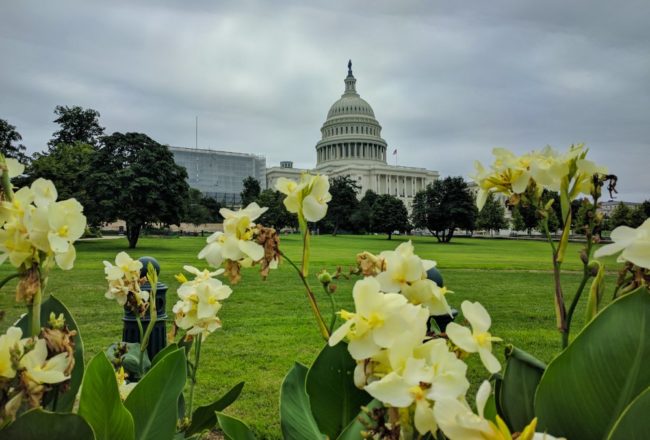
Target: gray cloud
column 447, row 80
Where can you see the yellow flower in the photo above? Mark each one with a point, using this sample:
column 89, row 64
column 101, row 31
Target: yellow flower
column 478, row 339
column 378, row 320
column 39, row 369
column 235, row 243
column 402, row 267
column 196, row 311
column 307, row 198
column 634, row 245
column 11, row 348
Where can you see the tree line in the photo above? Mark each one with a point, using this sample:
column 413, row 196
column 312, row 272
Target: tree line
column 121, row 176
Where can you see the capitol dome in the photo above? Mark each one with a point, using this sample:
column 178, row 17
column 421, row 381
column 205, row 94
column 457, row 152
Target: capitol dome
column 351, row 131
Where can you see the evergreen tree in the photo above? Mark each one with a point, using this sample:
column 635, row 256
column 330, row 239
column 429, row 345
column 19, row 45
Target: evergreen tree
column 492, row 217
column 446, row 206
column 620, row 216
column 344, row 203
column 388, row 215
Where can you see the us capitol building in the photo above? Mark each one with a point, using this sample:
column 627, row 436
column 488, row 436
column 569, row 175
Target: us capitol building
column 351, row 145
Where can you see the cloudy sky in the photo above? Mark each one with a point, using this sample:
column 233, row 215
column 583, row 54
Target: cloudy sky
column 448, row 80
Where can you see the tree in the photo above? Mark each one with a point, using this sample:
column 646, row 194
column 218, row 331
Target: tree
column 361, row 218
column 493, row 215
column 388, row 215
column 637, row 216
column 134, row 178
column 213, row 207
column 344, row 203
column 251, row 191
column 77, row 125
column 68, row 167
column 646, row 208
column 527, row 218
column 8, row 138
column 195, row 212
column 620, row 216
column 517, row 223
column 445, row 206
column 277, row 215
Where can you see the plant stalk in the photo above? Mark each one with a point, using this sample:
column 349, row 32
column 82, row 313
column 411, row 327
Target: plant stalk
column 312, row 300
column 197, row 356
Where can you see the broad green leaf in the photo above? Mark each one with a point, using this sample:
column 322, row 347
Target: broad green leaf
column 586, row 387
column 100, row 403
column 333, row 397
column 360, row 423
column 37, row 424
column 296, row 419
column 164, row 352
column 634, row 423
column 153, row 403
column 204, row 417
column 233, row 428
column 517, row 388
column 65, row 401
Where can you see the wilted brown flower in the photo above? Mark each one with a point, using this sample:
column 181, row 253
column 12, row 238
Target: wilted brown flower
column 233, row 269
column 29, row 284
column 370, row 264
column 61, row 341
column 270, row 241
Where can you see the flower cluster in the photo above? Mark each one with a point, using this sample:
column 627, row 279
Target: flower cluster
column 196, row 310
column 569, row 173
column 421, row 377
column 28, row 368
column 308, row 198
column 124, row 283
column 36, row 227
column 404, row 272
column 238, row 244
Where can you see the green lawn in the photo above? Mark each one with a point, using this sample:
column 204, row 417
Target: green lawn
column 267, row 325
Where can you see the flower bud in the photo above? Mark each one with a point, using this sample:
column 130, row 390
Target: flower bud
column 324, row 277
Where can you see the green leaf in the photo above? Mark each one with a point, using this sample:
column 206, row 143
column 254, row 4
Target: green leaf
column 100, row 403
column 233, row 428
column 360, row 423
column 204, row 417
column 333, row 397
column 296, row 419
column 37, row 424
column 596, row 290
column 517, row 388
column 634, row 423
column 153, row 403
column 586, row 387
column 65, row 401
column 164, row 352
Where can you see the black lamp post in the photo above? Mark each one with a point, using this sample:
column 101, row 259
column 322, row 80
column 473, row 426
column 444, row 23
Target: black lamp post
column 441, row 320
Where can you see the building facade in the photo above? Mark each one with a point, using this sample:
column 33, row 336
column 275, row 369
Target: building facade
column 219, row 174
column 351, row 145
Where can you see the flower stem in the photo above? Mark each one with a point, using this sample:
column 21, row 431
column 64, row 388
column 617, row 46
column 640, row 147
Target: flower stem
column 560, row 308
column 141, row 334
column 586, row 273
column 9, row 278
column 311, row 298
column 197, row 356
column 36, row 312
column 333, row 305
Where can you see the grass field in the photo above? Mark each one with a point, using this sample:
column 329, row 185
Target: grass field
column 267, row 325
